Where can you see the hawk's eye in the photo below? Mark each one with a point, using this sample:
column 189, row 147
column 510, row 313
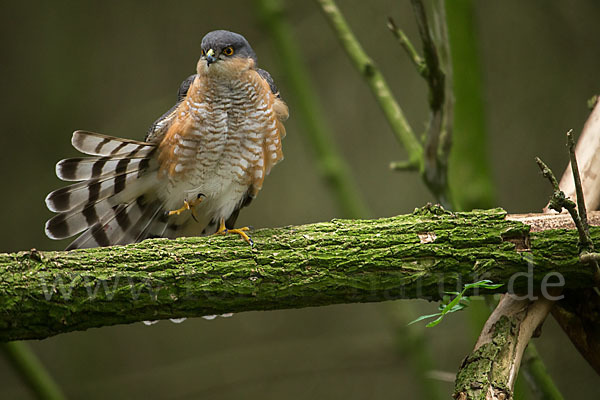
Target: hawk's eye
column 228, row 51
column 202, row 53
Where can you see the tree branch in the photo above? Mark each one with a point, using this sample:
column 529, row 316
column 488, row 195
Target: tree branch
column 343, row 261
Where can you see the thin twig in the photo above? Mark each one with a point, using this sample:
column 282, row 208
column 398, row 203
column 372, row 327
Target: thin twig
column 408, row 47
column 548, row 174
column 559, row 201
column 589, row 245
column 435, row 76
column 405, row 165
column 578, row 188
column 588, row 145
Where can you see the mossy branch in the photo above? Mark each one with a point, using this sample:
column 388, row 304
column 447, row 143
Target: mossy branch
column 344, row 261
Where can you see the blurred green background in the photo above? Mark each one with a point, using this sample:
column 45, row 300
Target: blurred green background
column 113, row 67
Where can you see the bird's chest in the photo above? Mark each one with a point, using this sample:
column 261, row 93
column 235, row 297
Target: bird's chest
column 216, row 148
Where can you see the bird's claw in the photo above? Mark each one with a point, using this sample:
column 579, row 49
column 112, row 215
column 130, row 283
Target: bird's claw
column 240, row 231
column 188, row 205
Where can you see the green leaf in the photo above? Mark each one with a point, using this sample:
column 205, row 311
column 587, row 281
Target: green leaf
column 459, row 302
column 485, row 284
column 422, row 317
column 434, row 323
column 452, row 304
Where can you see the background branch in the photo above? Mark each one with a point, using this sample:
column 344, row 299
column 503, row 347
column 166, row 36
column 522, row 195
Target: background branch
column 332, row 167
column 470, row 158
column 534, row 370
column 407, row 45
column 32, row 371
column 438, row 77
column 376, row 81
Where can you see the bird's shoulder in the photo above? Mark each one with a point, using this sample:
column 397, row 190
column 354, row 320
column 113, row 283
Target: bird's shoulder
column 158, row 129
column 264, row 74
column 279, row 105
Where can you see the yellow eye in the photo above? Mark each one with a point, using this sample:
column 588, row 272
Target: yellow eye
column 202, row 53
column 228, row 51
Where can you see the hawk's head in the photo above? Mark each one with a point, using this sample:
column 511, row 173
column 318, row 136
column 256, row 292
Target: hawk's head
column 223, row 50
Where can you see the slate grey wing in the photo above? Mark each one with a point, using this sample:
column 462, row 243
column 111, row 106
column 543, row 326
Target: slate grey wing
column 162, row 124
column 267, row 77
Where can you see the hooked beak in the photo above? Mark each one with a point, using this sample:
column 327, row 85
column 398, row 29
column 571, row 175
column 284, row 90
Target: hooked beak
column 210, row 57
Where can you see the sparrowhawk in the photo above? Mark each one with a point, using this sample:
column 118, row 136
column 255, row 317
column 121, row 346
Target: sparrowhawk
column 200, row 163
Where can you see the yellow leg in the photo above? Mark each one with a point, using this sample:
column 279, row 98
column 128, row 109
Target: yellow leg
column 240, row 231
column 188, row 205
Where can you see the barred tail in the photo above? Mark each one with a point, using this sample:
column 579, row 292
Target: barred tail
column 114, row 201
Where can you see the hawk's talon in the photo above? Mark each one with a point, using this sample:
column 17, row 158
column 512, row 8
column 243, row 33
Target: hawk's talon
column 188, row 205
column 240, row 231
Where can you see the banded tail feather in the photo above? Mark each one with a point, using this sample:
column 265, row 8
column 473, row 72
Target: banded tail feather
column 113, row 201
column 122, row 225
column 91, row 191
column 86, row 168
column 96, row 144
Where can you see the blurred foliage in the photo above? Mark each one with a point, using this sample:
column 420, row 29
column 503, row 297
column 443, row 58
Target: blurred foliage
column 114, row 67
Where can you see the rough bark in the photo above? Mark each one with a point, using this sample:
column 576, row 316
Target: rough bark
column 490, row 371
column 343, row 261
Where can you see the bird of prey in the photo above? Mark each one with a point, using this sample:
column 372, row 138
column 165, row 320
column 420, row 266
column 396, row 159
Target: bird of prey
column 200, row 163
